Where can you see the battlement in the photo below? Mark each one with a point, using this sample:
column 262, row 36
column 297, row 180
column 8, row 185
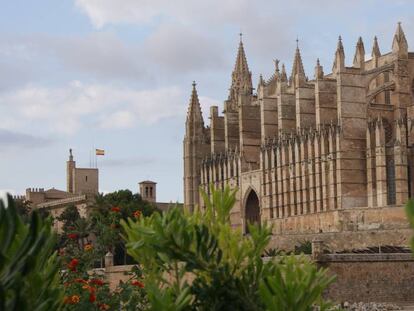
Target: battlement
column 35, row 190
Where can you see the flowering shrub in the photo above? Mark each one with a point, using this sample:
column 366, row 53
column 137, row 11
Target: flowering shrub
column 84, row 241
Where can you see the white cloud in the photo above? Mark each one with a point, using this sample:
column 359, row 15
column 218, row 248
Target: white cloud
column 77, row 105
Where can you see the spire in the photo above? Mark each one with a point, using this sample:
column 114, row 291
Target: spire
column 241, row 60
column 194, row 113
column 318, row 70
column 359, row 58
column 241, row 76
column 339, row 63
column 261, row 81
column 277, row 72
column 283, row 76
column 399, row 44
column 375, row 49
column 297, row 68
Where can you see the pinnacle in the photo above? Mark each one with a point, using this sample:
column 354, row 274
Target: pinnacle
column 399, row 34
column 400, row 42
column 194, row 109
column 241, row 60
column 283, row 76
column 375, row 48
column 297, row 62
column 340, row 47
column 241, row 76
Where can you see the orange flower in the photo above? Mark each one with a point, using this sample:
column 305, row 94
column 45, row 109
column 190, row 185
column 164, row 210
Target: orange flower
column 75, row 299
column 137, row 214
column 88, row 247
column 137, row 283
column 115, row 209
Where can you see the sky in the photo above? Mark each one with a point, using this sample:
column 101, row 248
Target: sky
column 117, row 75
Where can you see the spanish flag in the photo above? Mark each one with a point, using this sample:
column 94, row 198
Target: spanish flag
column 100, row 152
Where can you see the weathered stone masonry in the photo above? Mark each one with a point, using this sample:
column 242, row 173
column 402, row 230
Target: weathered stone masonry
column 322, row 157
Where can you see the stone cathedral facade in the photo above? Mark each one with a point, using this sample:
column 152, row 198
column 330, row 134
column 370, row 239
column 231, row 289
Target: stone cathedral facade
column 328, row 158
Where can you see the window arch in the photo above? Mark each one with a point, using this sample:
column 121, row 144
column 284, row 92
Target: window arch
column 252, row 210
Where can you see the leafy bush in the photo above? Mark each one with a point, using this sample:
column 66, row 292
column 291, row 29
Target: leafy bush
column 295, row 284
column 29, row 278
column 199, row 262
column 304, row 247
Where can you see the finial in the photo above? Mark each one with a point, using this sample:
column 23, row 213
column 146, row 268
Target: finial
column 297, row 42
column 317, row 62
column 194, row 84
column 340, row 38
column 70, row 151
column 241, row 37
column 276, row 61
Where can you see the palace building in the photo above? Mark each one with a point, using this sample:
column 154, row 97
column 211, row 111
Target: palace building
column 325, row 158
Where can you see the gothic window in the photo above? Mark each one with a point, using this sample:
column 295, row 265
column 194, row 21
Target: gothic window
column 388, row 132
column 252, row 210
column 146, row 191
column 390, row 171
column 86, row 178
column 150, row 191
column 387, row 97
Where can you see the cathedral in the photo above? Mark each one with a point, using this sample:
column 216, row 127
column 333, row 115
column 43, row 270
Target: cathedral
column 327, row 158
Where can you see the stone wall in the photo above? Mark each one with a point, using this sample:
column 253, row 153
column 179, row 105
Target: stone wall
column 371, row 277
column 344, row 229
column 115, row 274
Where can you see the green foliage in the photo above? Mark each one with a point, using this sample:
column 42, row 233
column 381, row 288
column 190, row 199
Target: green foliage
column 409, row 209
column 86, row 240
column 295, row 284
column 106, row 213
column 29, row 278
column 273, row 252
column 225, row 267
column 304, row 247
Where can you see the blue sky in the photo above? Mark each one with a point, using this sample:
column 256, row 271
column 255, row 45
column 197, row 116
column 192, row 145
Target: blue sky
column 117, row 74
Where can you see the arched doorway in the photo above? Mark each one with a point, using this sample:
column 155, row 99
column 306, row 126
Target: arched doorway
column 252, row 210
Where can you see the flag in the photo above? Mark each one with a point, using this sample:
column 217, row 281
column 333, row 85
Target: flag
column 100, row 152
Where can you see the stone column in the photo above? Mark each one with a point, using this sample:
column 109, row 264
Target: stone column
column 380, row 164
column 280, row 185
column 371, row 178
column 332, row 168
column 318, row 179
column 311, row 169
column 292, row 177
column 400, row 161
column 298, row 176
column 109, row 260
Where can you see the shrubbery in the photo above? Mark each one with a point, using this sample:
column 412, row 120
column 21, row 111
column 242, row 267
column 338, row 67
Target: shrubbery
column 186, row 261
column 199, row 262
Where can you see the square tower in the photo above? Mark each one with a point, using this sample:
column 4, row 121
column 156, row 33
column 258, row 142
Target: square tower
column 147, row 190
